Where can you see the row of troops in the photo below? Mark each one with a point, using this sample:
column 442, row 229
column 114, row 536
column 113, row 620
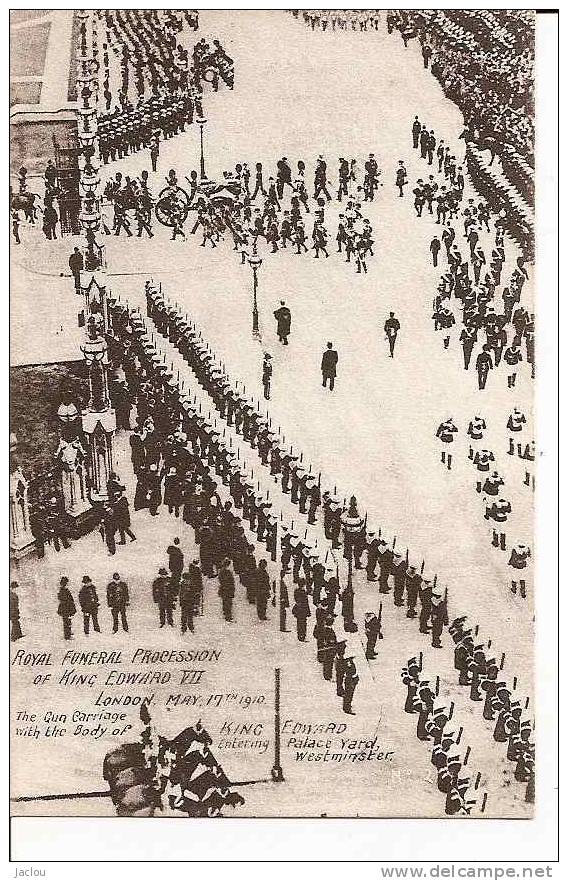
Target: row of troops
column 500, row 327
column 172, row 102
column 431, row 727
column 482, row 674
column 409, row 586
column 490, row 483
column 225, row 552
column 146, row 42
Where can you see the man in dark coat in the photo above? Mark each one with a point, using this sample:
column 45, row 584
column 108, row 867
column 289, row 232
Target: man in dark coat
column 118, row 599
column 175, row 560
column 164, row 597
column 122, row 519
column 189, row 597
column 227, row 589
column 66, row 607
column 89, row 602
column 329, row 366
column 76, row 264
column 108, row 527
column 15, row 628
column 283, row 322
column 262, row 591
column 137, row 451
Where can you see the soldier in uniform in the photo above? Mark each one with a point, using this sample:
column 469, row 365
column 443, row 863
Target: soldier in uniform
column 445, row 432
column 227, row 588
column 372, row 632
column 413, row 583
column 89, row 602
column 350, row 680
column 266, row 375
column 391, row 328
column 117, row 600
column 301, row 610
column 483, row 365
column 439, row 619
column 262, row 589
column 518, row 560
column 425, row 596
column 66, row 608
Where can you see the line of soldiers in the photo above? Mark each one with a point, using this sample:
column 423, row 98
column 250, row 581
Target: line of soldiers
column 482, row 675
column 224, row 550
column 147, row 43
column 130, row 195
column 489, row 482
column 340, row 19
column 169, row 88
column 431, row 727
column 409, row 585
column 491, row 318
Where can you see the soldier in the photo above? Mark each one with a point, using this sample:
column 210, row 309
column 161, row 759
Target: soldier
column 425, row 596
column 518, row 560
column 385, row 563
column 498, row 511
column 475, row 431
column 15, row 625
column 372, row 632
column 445, row 432
column 66, row 607
column 372, row 555
column 391, row 328
column 266, row 375
column 117, row 600
column 399, row 576
column 262, row 589
column 283, row 320
column 350, row 680
column 89, row 602
column 439, row 619
column 483, row 365
column 435, row 246
column 512, row 357
column 413, row 581
column 301, row 609
column 164, row 597
column 175, row 560
column 416, row 129
column 226, row 588
column 328, row 647
column 401, row 178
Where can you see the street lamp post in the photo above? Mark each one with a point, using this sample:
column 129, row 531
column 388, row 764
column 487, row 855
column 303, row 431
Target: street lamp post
column 255, row 263
column 201, row 123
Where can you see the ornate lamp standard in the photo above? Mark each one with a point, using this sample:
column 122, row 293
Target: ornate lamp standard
column 255, row 262
column 200, row 120
column 98, row 418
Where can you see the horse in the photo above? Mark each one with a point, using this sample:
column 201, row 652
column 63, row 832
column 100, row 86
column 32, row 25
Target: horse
column 482, row 142
column 25, row 202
